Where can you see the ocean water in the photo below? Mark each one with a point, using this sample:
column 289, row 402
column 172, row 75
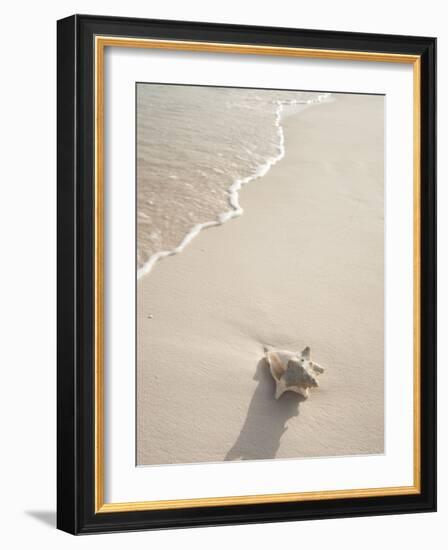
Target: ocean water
column 196, row 147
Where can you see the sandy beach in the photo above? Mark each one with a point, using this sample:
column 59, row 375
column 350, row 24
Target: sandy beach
column 303, row 266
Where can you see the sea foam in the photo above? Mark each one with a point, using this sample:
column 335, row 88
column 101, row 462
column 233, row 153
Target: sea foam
column 184, row 115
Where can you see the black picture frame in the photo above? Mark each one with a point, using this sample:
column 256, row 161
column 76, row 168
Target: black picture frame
column 76, row 511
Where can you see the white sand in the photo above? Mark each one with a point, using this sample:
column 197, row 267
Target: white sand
column 302, row 266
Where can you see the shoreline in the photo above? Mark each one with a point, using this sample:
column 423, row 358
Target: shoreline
column 299, row 268
column 233, row 191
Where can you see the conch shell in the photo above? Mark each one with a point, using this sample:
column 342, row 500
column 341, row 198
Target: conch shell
column 293, row 371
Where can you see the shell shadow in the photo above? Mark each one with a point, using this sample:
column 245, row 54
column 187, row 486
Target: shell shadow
column 266, row 419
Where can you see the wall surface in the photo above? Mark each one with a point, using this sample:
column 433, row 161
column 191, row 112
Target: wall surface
column 27, row 289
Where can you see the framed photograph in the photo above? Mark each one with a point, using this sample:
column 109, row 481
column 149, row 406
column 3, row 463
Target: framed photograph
column 246, row 274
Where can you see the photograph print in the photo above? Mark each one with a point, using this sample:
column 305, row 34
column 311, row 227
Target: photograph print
column 260, row 274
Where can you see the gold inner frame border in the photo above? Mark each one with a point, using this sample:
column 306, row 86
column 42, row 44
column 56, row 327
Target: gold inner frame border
column 100, row 43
